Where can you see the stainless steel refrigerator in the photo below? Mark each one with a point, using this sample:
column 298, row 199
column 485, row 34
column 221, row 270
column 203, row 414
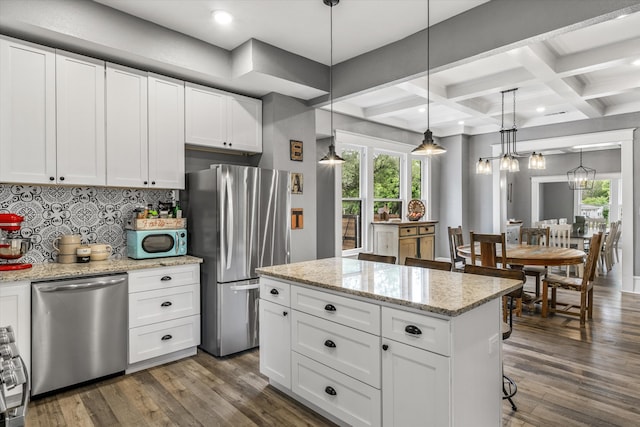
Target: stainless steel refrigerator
column 237, row 220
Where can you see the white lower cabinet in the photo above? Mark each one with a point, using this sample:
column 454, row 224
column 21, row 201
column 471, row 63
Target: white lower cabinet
column 415, row 386
column 369, row 364
column 275, row 342
column 350, row 400
column 164, row 314
column 15, row 311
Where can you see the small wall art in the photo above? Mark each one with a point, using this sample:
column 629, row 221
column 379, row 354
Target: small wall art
column 296, row 183
column 297, row 219
column 295, row 148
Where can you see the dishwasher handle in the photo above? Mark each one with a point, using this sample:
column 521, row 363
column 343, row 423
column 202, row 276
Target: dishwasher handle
column 87, row 285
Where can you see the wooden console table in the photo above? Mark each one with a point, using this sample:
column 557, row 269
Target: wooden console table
column 414, row 239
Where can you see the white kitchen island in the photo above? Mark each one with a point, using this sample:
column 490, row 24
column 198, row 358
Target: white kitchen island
column 370, row 344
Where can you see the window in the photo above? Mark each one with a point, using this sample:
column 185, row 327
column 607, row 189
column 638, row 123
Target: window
column 386, row 187
column 378, row 178
column 351, row 199
column 595, row 203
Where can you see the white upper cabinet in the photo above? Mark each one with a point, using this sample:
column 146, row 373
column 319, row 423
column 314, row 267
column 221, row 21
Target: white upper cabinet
column 221, row 120
column 166, row 132
column 126, row 121
column 27, row 113
column 80, row 147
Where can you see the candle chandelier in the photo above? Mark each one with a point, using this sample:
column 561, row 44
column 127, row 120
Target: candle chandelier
column 509, row 158
column 582, row 177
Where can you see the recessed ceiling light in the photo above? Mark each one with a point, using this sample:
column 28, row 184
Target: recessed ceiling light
column 636, row 63
column 540, row 109
column 461, row 122
column 222, row 17
column 422, row 110
column 621, row 16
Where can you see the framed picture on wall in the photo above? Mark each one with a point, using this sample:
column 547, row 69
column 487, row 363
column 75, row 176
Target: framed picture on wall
column 296, row 183
column 297, row 219
column 295, row 149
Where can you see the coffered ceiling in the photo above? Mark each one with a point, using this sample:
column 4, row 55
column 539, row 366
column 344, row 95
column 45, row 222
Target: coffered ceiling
column 590, row 72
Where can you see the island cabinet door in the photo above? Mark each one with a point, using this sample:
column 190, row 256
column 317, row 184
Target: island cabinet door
column 275, row 342
column 415, row 386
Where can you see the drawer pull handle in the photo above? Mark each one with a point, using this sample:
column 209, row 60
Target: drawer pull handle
column 385, row 347
column 166, row 337
column 285, row 313
column 166, row 278
column 274, row 291
column 330, row 344
column 330, row 307
column 413, row 330
column 330, row 391
column 166, row 304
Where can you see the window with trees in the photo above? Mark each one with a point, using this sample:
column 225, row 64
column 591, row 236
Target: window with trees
column 386, row 187
column 351, row 199
column 596, row 203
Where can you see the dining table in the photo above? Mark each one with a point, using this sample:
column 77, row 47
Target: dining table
column 523, row 254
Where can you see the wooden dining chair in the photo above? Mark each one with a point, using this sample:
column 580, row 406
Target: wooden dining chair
column 427, row 263
column 583, row 285
column 606, row 255
column 489, row 255
column 456, row 239
column 560, row 237
column 389, row 259
column 509, row 387
column 535, row 236
column 488, row 249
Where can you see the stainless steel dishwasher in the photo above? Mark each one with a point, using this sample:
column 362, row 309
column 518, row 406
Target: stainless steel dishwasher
column 78, row 331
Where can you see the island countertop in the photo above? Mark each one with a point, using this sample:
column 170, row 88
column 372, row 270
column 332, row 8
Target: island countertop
column 442, row 292
column 52, row 270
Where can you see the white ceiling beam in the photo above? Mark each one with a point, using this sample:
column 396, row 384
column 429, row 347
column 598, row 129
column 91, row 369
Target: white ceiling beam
column 611, row 87
column 598, row 58
column 438, row 94
column 490, row 84
column 394, row 108
column 541, row 62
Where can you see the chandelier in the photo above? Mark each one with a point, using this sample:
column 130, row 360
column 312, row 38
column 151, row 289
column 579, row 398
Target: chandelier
column 509, row 158
column 582, row 177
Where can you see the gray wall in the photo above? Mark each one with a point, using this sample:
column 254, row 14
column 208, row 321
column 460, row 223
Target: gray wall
column 283, row 119
column 326, row 176
column 556, row 201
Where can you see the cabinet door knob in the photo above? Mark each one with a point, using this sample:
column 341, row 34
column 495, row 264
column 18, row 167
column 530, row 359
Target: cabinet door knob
column 274, row 291
column 413, row 330
column 330, row 344
column 166, row 337
column 166, row 304
column 330, row 307
column 62, row 178
column 330, row 390
column 385, row 347
column 146, row 182
column 51, row 178
column 153, row 183
column 224, row 143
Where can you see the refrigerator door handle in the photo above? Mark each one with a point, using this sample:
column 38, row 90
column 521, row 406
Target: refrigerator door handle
column 229, row 229
column 244, row 287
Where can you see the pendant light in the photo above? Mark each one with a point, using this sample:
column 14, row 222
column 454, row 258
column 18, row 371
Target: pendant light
column 582, row 177
column 428, row 146
column 332, row 157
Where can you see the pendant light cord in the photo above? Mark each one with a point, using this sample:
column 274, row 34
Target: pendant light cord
column 331, row 70
column 428, row 68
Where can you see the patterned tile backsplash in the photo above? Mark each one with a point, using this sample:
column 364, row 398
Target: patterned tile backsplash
column 98, row 214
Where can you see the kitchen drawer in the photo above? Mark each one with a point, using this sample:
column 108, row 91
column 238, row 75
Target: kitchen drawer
column 349, row 312
column 427, row 229
column 165, row 277
column 407, row 231
column 434, row 333
column 146, row 342
column 345, row 349
column 163, row 304
column 352, row 401
column 275, row 291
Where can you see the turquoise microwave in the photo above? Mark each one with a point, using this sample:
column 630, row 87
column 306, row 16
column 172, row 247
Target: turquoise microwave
column 143, row 244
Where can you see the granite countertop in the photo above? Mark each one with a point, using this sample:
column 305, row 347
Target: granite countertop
column 443, row 292
column 49, row 271
column 421, row 222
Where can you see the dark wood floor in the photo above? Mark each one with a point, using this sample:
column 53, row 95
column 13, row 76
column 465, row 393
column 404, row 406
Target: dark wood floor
column 566, row 376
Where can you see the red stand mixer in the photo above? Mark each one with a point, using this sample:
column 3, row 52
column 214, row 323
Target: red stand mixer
column 12, row 248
